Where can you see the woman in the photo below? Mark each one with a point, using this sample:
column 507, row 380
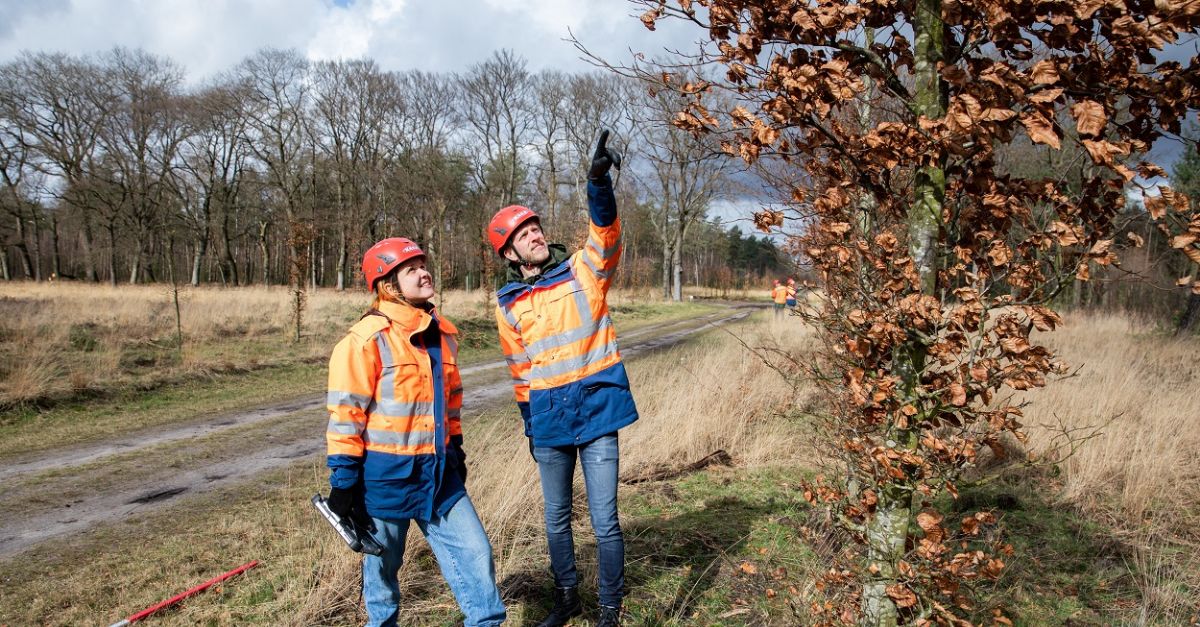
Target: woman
column 395, row 438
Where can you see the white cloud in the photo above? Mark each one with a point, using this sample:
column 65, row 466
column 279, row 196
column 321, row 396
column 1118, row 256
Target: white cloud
column 210, row 36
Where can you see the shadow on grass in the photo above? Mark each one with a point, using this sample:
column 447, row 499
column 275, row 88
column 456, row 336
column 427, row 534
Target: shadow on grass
column 1065, row 569
column 676, row 559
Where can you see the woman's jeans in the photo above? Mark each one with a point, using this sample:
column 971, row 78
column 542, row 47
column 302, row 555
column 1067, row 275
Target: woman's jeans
column 463, row 553
column 600, row 459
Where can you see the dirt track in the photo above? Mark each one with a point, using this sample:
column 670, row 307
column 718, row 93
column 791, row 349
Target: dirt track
column 71, row 490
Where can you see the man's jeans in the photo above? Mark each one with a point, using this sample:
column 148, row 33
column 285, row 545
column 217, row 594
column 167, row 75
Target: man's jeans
column 600, row 459
column 463, row 553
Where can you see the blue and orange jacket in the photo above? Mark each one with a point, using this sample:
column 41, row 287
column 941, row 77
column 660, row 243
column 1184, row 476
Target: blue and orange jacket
column 395, row 401
column 559, row 340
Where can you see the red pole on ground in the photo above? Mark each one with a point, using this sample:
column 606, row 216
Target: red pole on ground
column 183, row 595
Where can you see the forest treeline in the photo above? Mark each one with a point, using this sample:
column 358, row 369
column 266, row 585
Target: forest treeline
column 281, row 170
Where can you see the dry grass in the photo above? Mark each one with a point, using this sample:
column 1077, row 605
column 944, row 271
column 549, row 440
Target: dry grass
column 1137, row 390
column 64, row 339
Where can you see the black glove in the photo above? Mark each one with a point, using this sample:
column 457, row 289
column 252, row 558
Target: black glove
column 349, row 504
column 603, row 158
column 460, row 461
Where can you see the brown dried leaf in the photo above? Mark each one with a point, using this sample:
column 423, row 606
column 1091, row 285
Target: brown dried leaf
column 958, row 395
column 1090, row 118
column 1040, row 130
column 649, row 17
column 901, row 595
column 1044, row 73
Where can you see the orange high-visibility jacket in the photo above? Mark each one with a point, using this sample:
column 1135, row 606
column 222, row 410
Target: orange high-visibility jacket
column 395, row 402
column 779, row 294
column 559, row 340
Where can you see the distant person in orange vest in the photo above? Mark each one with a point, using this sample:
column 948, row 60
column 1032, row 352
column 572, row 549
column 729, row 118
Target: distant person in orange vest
column 779, row 296
column 568, row 379
column 791, row 294
column 395, row 439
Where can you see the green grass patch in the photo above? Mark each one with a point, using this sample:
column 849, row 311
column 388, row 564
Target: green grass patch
column 1065, row 569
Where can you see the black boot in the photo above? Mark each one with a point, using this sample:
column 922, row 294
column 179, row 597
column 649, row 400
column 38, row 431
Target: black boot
column 566, row 606
column 609, row 616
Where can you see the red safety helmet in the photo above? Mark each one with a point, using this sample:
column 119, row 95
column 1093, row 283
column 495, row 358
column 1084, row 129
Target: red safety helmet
column 776, row 281
column 506, row 222
column 385, row 255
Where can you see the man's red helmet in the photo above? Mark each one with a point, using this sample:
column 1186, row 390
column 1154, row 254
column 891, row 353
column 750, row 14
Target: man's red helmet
column 506, row 222
column 385, row 255
column 776, row 281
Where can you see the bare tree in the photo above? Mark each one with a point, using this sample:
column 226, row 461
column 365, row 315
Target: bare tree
column 140, row 140
column 60, row 103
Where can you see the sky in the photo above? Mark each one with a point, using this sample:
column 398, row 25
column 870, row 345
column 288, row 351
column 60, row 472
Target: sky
column 207, row 37
column 210, row 36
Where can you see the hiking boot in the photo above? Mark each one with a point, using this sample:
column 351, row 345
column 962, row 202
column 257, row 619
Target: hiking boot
column 566, row 607
column 609, row 616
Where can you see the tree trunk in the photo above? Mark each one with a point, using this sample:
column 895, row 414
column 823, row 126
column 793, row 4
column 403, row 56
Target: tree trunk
column 112, row 254
column 55, row 258
column 888, row 529
column 666, row 271
column 1191, row 316
column 266, row 252
column 23, row 248
column 677, row 270
column 198, row 258
column 137, row 263
column 37, row 249
column 342, row 259
column 4, row 266
column 229, row 269
column 89, row 259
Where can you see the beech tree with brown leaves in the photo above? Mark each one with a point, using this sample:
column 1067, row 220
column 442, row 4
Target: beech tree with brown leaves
column 936, row 267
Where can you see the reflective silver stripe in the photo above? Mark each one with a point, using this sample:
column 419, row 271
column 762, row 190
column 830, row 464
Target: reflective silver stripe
column 517, row 359
column 520, row 380
column 457, row 390
column 563, row 366
column 603, row 274
column 409, row 438
column 604, row 253
column 585, row 330
column 512, row 320
column 349, row 399
column 581, row 301
column 400, row 409
column 343, row 428
column 454, row 413
column 387, row 383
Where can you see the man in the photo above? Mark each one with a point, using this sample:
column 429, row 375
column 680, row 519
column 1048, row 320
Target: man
column 395, row 439
column 778, row 295
column 569, row 381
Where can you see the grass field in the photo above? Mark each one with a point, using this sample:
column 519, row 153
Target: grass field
column 1106, row 536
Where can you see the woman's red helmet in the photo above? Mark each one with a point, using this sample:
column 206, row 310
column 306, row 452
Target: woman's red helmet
column 506, row 222
column 385, row 255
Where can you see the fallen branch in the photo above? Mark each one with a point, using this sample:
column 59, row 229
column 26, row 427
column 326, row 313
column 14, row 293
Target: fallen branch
column 670, row 472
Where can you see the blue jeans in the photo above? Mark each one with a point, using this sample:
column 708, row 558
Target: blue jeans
column 463, row 553
column 600, row 459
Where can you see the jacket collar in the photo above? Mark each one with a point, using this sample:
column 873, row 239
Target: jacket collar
column 412, row 319
column 558, row 254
